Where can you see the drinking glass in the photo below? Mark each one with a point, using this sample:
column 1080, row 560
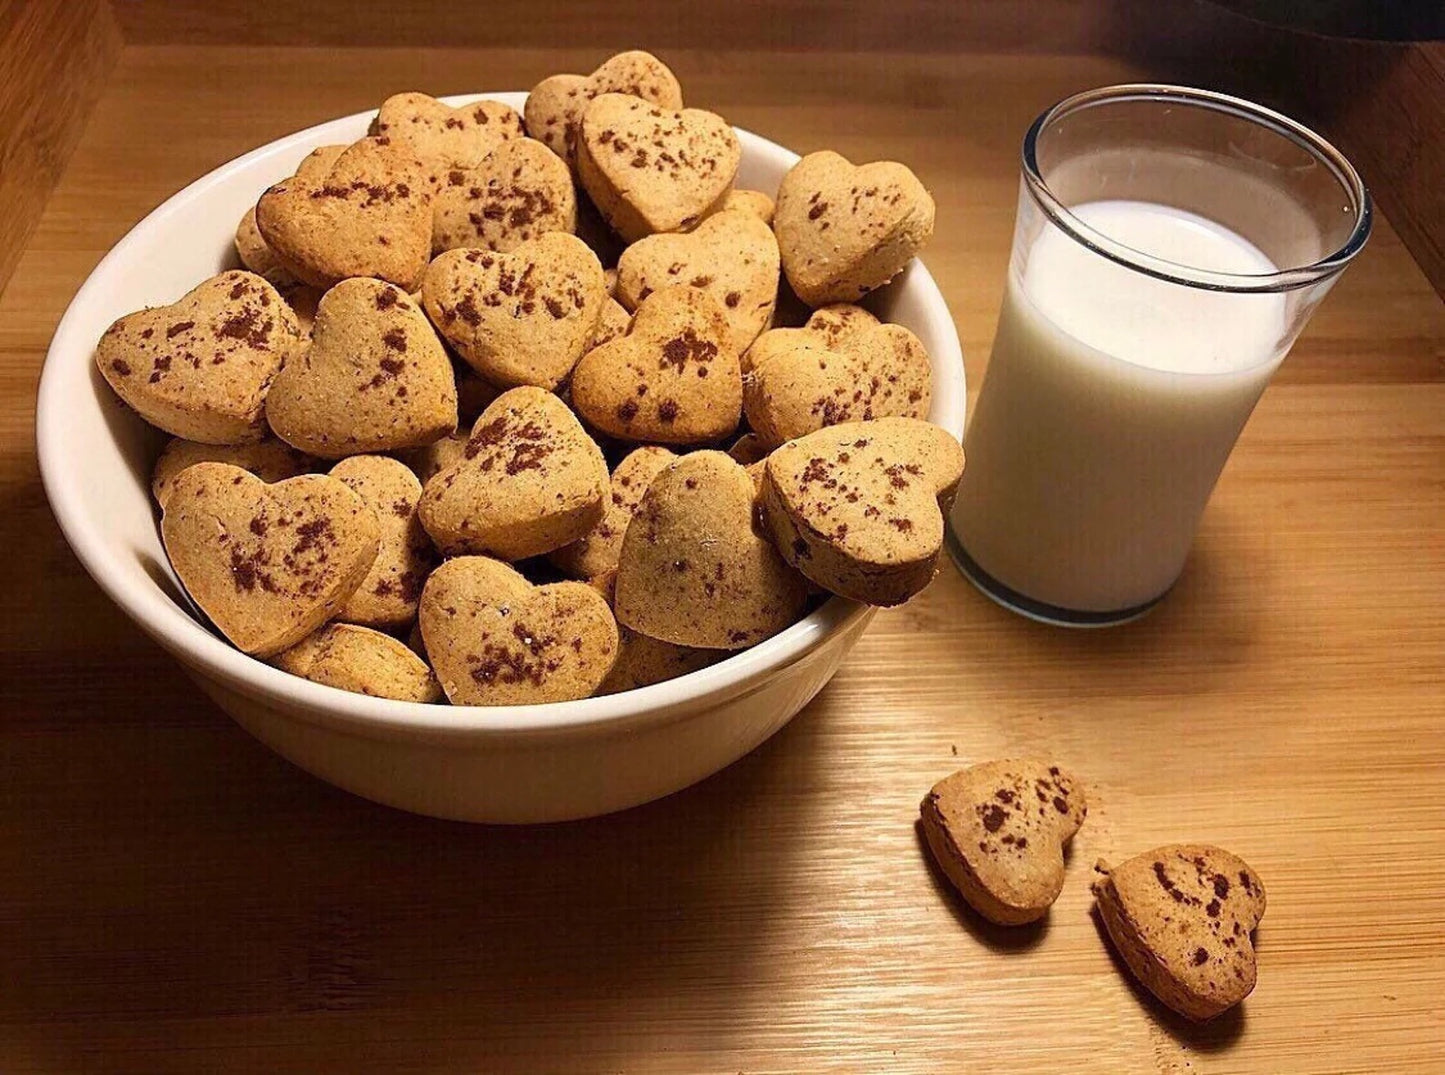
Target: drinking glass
column 1169, row 246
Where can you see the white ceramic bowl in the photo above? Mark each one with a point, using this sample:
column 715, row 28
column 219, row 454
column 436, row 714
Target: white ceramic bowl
column 503, row 764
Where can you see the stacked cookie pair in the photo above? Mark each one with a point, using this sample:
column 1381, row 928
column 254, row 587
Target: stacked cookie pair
column 649, row 473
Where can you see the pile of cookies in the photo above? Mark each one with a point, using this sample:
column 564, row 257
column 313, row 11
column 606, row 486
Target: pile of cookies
column 1182, row 916
column 649, row 473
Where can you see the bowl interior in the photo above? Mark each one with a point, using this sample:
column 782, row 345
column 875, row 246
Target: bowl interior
column 96, row 454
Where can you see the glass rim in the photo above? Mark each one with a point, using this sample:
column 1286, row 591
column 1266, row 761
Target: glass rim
column 1285, row 279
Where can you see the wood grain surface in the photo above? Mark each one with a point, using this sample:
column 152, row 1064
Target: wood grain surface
column 177, row 899
column 54, row 59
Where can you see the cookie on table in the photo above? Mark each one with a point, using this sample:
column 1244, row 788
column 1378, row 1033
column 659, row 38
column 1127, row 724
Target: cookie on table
column 362, row 661
column 271, row 460
column 530, row 480
column 672, row 379
column 444, row 138
column 201, row 367
column 997, row 831
column 388, row 596
column 554, row 107
column 1182, row 917
column 268, row 564
column 520, row 318
column 650, row 169
column 517, row 192
column 375, row 377
column 595, row 552
column 694, row 570
column 496, row 639
column 858, row 507
column 731, row 255
column 368, row 214
column 845, row 230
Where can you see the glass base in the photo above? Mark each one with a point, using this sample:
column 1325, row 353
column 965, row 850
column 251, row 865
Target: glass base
column 1014, row 601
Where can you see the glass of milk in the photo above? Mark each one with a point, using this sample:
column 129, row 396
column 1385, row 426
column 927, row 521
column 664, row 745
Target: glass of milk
column 1170, row 245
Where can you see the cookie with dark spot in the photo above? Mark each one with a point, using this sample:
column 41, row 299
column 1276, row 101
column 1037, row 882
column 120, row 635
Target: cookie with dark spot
column 997, row 831
column 596, row 551
column 833, row 328
column 673, row 379
column 554, row 107
column 651, row 169
column 255, row 255
column 375, row 378
column 363, row 661
column 731, row 255
column 518, row 191
column 201, row 367
column 388, row 596
column 369, row 214
column 444, row 138
column 693, row 569
column 268, row 564
column 845, row 230
column 881, row 371
column 858, row 508
column 1182, row 917
column 530, row 480
column 496, row 639
column 520, row 318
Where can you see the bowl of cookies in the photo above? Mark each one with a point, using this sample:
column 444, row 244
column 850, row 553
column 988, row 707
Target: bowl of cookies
column 512, row 457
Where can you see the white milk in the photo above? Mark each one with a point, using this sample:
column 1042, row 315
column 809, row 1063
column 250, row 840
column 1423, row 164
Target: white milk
column 1111, row 402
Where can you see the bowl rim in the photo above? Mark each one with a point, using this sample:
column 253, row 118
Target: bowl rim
column 204, row 653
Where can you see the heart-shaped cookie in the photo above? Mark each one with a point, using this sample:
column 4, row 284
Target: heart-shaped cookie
column 612, row 323
column 437, row 456
column 998, row 830
column 693, row 569
column 673, row 379
column 858, row 508
column 643, row 661
column 531, row 480
column 555, row 105
column 442, row 137
column 200, row 368
column 255, row 255
column 374, row 379
column 750, row 201
column 845, row 230
column 495, row 639
column 834, row 328
column 267, row 563
column 271, row 460
column 596, row 551
column 369, row 214
column 650, row 169
column 362, row 661
column 731, row 255
column 520, row 318
column 1181, row 917
column 880, row 372
column 518, row 191
column 387, row 597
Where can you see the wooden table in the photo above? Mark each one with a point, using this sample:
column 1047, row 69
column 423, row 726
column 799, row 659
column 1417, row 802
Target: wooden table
column 176, row 899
